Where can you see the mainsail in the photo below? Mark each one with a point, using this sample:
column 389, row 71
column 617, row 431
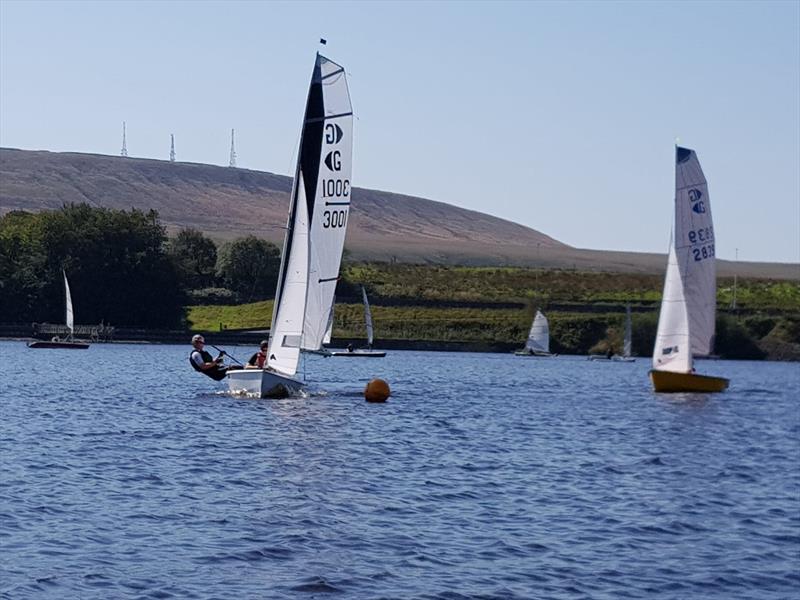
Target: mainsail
column 367, row 316
column 686, row 320
column 318, row 212
column 70, row 314
column 539, row 335
column 326, row 162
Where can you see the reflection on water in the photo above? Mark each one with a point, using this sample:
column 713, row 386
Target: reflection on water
column 126, row 474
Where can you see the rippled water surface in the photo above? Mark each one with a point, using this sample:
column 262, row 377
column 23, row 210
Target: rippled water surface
column 125, row 474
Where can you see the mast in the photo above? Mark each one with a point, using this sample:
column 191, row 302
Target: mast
column 172, row 147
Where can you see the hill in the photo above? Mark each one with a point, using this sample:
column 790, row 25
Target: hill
column 229, row 202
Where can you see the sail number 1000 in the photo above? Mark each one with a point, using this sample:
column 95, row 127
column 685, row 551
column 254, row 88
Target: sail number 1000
column 335, row 188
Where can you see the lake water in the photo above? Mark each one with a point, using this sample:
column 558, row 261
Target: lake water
column 125, row 474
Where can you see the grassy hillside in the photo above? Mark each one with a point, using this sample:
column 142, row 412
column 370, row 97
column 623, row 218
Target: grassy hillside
column 495, row 306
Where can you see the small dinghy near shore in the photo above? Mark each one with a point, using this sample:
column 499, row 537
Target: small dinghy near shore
column 367, row 352
column 70, row 343
column 538, row 342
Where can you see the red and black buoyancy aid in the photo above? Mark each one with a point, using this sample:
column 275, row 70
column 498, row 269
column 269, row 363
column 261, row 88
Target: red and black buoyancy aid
column 216, row 372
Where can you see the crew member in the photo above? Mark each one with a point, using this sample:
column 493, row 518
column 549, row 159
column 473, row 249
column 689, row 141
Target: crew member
column 204, row 363
column 259, row 358
column 349, row 347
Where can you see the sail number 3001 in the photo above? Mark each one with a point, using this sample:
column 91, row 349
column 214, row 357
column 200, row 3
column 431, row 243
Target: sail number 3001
column 334, row 218
column 335, row 188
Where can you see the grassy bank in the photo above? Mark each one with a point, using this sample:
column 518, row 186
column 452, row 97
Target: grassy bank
column 585, row 310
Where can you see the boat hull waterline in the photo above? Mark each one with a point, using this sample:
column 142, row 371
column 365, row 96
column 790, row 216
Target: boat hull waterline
column 360, row 354
column 63, row 345
column 669, row 381
column 263, row 383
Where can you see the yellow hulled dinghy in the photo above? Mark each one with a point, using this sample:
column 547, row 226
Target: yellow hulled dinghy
column 688, row 306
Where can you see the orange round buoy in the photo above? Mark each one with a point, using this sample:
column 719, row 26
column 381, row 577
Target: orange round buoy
column 377, row 390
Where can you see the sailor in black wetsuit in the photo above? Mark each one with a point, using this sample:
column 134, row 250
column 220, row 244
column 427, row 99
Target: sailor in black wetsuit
column 204, row 363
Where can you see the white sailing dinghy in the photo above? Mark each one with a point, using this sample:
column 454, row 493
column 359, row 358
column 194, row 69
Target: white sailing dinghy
column 70, row 342
column 315, row 232
column 367, row 352
column 538, row 342
column 626, row 344
column 688, row 306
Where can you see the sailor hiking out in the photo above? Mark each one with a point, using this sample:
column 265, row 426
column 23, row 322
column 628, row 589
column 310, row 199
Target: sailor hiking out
column 204, row 363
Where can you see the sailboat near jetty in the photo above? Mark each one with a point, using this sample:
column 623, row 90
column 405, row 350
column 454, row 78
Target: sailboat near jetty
column 688, row 307
column 69, row 343
column 538, row 342
column 367, row 352
column 314, row 241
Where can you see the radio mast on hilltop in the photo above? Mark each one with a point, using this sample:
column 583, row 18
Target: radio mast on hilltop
column 172, row 147
column 124, row 151
column 232, row 162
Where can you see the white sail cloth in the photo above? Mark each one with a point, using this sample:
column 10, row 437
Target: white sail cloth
column 70, row 313
column 688, row 308
column 287, row 317
column 367, row 317
column 539, row 335
column 329, row 127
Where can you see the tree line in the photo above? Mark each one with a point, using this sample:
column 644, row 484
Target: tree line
column 122, row 267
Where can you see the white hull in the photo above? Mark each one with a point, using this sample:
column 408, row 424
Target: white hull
column 361, row 353
column 615, row 358
column 262, row 383
column 538, row 353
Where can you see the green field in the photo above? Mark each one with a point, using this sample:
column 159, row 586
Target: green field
column 585, row 310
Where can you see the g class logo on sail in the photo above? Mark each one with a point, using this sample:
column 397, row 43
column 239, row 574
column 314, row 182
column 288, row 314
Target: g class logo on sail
column 333, row 133
column 698, row 205
column 334, row 160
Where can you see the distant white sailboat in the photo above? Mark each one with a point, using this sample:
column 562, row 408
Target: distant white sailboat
column 686, row 322
column 627, row 344
column 70, row 342
column 315, row 232
column 367, row 352
column 538, row 342
column 626, row 347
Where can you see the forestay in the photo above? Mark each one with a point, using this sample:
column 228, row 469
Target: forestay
column 539, row 335
column 326, row 163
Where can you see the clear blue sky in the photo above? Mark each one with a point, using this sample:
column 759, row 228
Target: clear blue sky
column 560, row 116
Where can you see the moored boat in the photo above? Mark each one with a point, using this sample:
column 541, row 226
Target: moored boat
column 70, row 343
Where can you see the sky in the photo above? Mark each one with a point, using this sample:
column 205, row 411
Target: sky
column 562, row 116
